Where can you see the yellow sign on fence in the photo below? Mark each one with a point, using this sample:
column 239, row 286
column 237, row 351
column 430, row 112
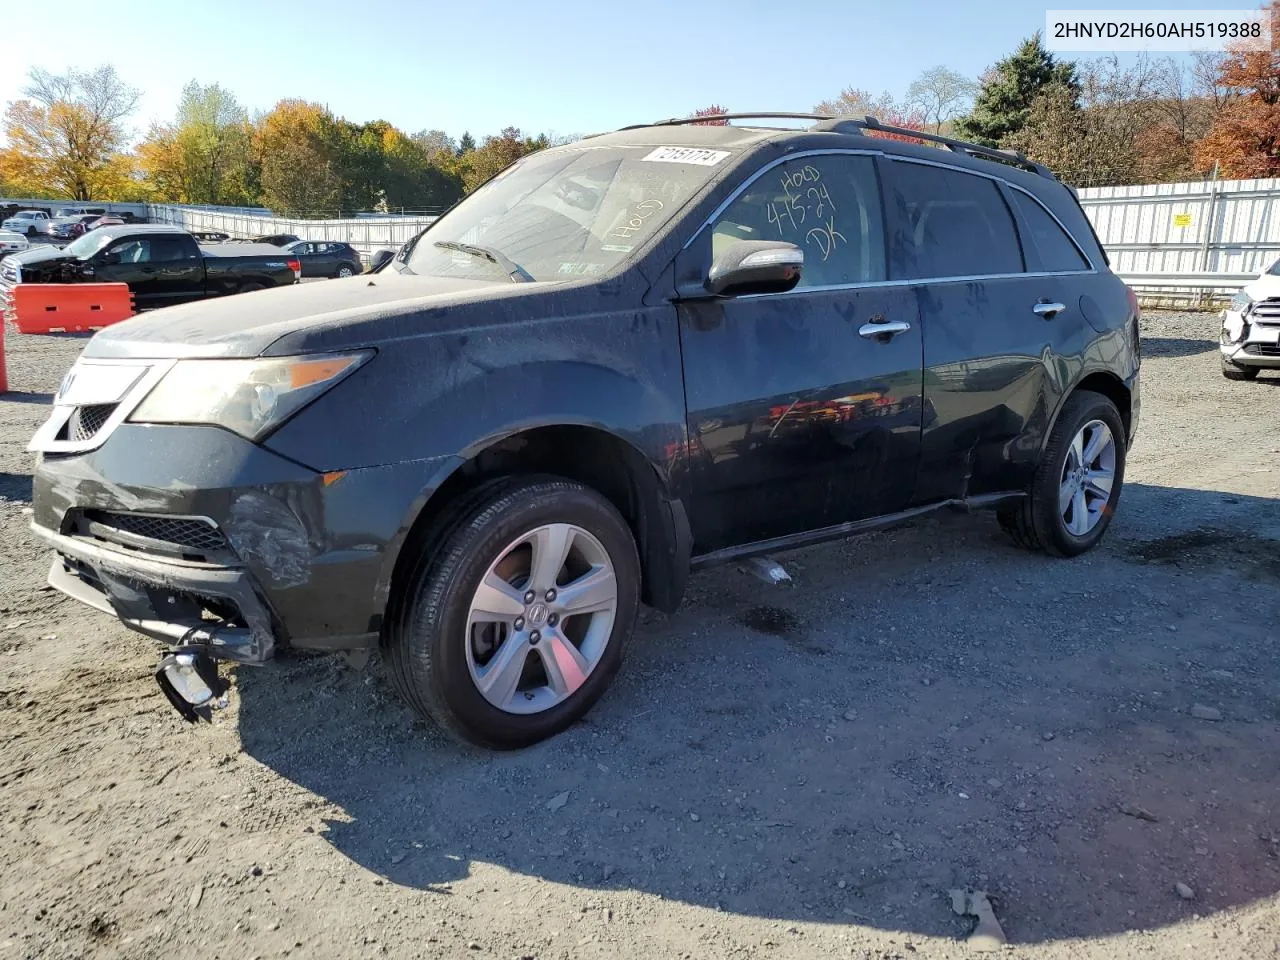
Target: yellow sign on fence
column 1182, row 219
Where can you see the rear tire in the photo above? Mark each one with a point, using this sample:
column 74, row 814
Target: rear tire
column 344, row 271
column 468, row 649
column 1233, row 372
column 1077, row 484
column 250, row 287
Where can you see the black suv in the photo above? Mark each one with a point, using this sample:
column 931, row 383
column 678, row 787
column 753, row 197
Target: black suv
column 618, row 361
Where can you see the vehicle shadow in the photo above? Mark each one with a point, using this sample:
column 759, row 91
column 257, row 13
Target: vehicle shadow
column 924, row 709
column 1176, row 346
column 24, row 396
column 15, row 486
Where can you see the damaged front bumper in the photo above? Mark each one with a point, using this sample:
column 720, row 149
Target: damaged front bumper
column 182, row 604
column 1248, row 341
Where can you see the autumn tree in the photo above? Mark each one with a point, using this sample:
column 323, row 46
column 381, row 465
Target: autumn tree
column 715, row 110
column 852, row 102
column 1180, row 112
column 206, row 155
column 940, row 94
column 67, row 135
column 300, row 176
column 1245, row 139
column 495, row 154
column 856, row 103
column 1009, row 89
column 1091, row 135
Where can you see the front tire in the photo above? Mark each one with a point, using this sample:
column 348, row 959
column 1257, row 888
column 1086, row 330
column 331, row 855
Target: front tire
column 1077, row 484
column 514, row 620
column 1233, row 372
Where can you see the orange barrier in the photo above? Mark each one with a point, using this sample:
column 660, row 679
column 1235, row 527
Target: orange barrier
column 69, row 307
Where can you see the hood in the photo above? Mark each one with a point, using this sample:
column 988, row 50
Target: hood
column 1265, row 287
column 41, row 253
column 309, row 317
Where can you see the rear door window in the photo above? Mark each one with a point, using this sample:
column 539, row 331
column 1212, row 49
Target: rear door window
column 1046, row 244
column 827, row 205
column 169, row 248
column 949, row 224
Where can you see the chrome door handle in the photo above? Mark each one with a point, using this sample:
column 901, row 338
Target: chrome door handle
column 1048, row 310
column 885, row 331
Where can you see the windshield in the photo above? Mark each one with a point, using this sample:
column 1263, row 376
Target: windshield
column 564, row 214
column 1275, row 269
column 87, row 246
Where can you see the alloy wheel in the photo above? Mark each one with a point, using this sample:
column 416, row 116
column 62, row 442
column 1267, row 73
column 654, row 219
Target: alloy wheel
column 541, row 619
column 1087, row 476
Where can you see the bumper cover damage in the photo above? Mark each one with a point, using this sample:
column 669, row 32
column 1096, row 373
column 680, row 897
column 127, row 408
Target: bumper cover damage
column 213, row 608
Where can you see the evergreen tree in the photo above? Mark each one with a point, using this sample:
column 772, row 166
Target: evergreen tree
column 1004, row 102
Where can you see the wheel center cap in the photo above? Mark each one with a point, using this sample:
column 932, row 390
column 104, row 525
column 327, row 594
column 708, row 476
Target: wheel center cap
column 536, row 614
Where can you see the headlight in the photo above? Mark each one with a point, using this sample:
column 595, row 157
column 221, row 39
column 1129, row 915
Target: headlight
column 1240, row 302
column 248, row 397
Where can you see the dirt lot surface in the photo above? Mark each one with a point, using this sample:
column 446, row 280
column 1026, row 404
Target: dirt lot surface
column 792, row 772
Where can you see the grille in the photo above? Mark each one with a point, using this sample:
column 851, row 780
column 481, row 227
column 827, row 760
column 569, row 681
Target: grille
column 8, row 271
column 88, row 420
column 186, row 532
column 1263, row 349
column 1266, row 311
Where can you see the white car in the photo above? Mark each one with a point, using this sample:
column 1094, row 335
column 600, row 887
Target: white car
column 29, row 222
column 1250, row 338
column 11, row 242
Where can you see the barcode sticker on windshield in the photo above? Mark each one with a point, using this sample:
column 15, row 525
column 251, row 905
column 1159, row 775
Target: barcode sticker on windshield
column 695, row 155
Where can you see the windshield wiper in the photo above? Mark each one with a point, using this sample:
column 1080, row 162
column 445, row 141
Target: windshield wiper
column 515, row 272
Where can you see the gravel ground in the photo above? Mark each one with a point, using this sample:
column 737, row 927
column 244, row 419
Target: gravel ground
column 791, row 772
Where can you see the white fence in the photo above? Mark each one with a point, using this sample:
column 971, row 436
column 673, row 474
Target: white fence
column 366, row 234
column 1188, row 240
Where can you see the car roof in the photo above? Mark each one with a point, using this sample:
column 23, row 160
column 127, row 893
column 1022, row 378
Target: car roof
column 125, row 230
column 831, row 132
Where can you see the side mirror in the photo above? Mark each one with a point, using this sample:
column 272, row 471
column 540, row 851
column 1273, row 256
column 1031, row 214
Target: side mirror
column 755, row 266
column 105, row 259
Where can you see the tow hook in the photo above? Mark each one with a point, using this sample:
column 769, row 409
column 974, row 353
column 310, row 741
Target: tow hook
column 189, row 678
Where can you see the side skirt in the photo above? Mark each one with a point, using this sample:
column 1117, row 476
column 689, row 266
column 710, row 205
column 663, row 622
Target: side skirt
column 840, row 530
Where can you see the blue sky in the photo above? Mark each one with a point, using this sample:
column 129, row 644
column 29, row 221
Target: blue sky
column 569, row 66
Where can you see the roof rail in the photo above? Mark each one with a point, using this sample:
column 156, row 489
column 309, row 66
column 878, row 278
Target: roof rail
column 857, row 125
column 826, row 123
column 684, row 121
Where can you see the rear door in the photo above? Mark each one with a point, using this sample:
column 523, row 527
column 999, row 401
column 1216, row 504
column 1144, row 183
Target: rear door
column 988, row 338
column 800, row 414
column 327, row 259
column 306, row 254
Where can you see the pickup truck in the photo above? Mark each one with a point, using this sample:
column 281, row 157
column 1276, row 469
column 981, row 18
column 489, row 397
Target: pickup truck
column 162, row 265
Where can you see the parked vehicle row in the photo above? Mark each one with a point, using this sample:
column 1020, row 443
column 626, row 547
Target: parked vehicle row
column 11, row 242
column 162, row 265
column 319, row 258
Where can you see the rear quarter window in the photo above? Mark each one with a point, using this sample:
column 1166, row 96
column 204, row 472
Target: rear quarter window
column 949, row 224
column 1047, row 245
